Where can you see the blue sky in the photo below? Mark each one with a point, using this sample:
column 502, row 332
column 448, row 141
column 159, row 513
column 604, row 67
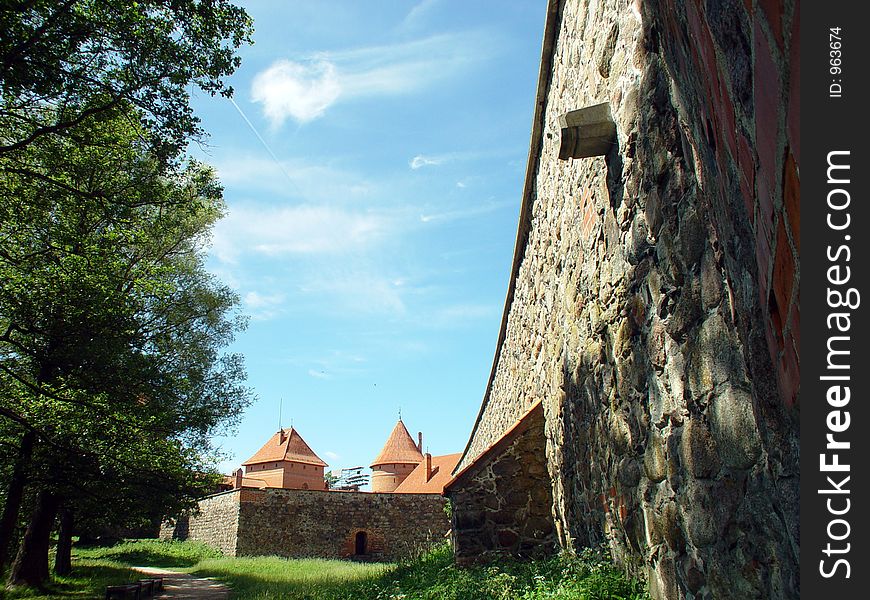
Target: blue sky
column 370, row 230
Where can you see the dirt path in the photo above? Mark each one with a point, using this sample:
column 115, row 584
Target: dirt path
column 184, row 586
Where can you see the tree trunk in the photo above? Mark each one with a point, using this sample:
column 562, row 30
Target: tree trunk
column 14, row 494
column 63, row 557
column 31, row 565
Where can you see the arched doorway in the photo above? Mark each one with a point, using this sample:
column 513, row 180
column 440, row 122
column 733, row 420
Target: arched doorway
column 360, row 543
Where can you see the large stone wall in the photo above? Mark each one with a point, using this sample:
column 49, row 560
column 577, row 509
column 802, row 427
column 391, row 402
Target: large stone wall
column 653, row 304
column 299, row 523
column 216, row 522
column 314, row 523
column 503, row 502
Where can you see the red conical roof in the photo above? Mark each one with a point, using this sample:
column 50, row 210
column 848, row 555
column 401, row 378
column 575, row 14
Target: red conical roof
column 400, row 448
column 286, row 445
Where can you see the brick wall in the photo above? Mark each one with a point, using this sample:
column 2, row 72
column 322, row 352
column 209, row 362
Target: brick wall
column 288, row 474
column 652, row 307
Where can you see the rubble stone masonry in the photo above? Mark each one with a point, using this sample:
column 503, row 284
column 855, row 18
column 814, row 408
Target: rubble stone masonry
column 316, row 523
column 504, row 504
column 653, row 306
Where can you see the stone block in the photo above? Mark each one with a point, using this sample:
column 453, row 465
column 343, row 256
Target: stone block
column 654, row 459
column 733, row 425
column 698, row 449
column 587, row 132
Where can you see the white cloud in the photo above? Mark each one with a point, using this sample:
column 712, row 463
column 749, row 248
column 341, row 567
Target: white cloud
column 304, row 88
column 360, row 292
column 318, row 374
column 291, row 178
column 464, row 212
column 331, row 455
column 418, row 13
column 257, row 300
column 466, row 312
column 299, row 90
column 424, row 161
column 263, row 306
column 301, row 229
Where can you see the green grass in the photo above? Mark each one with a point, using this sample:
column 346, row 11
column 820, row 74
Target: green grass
column 315, row 579
column 96, row 567
column 432, row 576
column 152, row 553
column 435, row 577
column 88, row 580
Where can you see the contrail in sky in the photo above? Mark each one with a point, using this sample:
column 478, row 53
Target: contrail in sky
column 262, row 141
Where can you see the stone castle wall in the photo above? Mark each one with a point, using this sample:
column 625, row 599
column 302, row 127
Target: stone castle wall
column 297, row 523
column 314, row 523
column 504, row 504
column 653, row 307
column 216, row 523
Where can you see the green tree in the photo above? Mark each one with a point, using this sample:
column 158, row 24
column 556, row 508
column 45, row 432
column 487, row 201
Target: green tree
column 62, row 62
column 110, row 352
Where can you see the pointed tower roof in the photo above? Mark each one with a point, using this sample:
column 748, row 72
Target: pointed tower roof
column 400, row 448
column 286, row 445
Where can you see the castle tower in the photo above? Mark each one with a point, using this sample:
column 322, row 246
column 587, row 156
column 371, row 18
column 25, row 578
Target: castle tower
column 399, row 456
column 286, row 461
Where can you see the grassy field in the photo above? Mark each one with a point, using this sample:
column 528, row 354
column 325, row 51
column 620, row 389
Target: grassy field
column 88, row 580
column 429, row 577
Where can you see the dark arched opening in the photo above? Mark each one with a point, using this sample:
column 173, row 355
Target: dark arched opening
column 361, row 543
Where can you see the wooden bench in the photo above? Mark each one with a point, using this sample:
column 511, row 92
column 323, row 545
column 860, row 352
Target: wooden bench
column 157, row 583
column 121, row 592
column 146, row 588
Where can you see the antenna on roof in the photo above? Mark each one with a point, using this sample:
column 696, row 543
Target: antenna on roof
column 280, row 408
column 400, row 413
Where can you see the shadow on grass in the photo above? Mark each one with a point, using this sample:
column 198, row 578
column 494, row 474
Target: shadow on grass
column 255, row 587
column 261, row 578
column 149, row 553
column 86, row 581
column 152, row 558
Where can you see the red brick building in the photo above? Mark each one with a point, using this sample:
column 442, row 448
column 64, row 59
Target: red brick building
column 402, row 468
column 286, row 461
column 399, row 456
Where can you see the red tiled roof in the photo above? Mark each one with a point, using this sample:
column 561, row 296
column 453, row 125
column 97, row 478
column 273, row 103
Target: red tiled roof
column 286, row 445
column 400, row 448
column 442, row 470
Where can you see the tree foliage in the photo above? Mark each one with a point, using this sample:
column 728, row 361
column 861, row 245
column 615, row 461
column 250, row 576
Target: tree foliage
column 111, row 329
column 112, row 375
column 64, row 61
